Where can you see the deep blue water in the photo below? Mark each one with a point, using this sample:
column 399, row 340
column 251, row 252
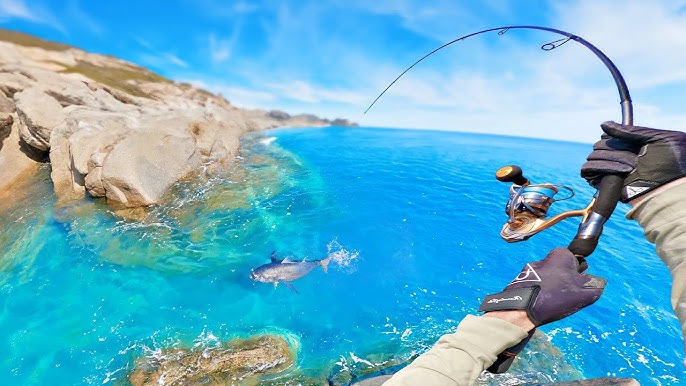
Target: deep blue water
column 411, row 218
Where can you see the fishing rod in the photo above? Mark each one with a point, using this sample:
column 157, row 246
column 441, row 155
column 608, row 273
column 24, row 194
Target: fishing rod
column 528, row 203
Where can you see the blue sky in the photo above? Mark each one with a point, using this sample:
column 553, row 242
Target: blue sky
column 332, row 58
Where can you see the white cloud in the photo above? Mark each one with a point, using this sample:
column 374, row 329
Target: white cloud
column 161, row 60
column 239, row 96
column 175, row 59
column 220, row 49
column 518, row 92
column 78, row 16
column 157, row 58
column 18, row 9
column 563, row 94
column 490, row 83
column 436, row 19
column 308, row 93
column 646, row 39
column 243, row 7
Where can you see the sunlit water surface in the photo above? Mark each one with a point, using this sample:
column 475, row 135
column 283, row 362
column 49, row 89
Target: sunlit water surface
column 410, row 218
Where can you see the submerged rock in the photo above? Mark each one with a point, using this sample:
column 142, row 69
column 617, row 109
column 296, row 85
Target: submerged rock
column 237, row 360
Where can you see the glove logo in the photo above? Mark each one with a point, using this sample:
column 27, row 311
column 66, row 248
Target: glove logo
column 528, row 274
column 498, row 300
column 631, row 191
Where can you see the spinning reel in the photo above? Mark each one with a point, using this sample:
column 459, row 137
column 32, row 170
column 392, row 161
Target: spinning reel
column 529, row 203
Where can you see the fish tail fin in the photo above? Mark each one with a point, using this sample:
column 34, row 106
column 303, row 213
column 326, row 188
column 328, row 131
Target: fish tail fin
column 325, row 263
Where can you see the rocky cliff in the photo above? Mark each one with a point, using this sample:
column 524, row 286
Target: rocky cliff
column 110, row 128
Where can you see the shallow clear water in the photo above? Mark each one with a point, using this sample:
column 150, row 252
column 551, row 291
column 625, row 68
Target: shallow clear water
column 410, row 218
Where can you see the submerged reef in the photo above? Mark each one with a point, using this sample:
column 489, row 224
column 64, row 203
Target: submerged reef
column 240, row 360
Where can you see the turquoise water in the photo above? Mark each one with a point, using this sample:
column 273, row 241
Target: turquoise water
column 410, row 218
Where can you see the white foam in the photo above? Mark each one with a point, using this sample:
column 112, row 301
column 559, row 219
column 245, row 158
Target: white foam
column 357, row 359
column 341, row 256
column 267, row 141
column 406, row 333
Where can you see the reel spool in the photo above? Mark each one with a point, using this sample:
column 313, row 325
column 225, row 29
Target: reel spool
column 528, row 205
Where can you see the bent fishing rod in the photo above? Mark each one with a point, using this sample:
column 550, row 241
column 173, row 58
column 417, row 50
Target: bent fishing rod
column 529, row 203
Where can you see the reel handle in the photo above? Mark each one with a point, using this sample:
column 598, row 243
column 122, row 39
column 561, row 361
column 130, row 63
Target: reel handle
column 511, row 173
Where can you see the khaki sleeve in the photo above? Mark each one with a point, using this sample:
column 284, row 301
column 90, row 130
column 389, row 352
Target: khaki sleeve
column 663, row 219
column 459, row 358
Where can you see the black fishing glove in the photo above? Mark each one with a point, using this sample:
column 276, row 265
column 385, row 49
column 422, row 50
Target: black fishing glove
column 651, row 158
column 548, row 290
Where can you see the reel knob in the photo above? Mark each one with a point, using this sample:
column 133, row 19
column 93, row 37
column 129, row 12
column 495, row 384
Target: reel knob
column 511, row 173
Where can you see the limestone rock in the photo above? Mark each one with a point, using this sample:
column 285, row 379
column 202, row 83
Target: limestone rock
column 38, row 113
column 214, row 366
column 140, row 168
column 11, row 82
column 6, row 104
column 114, row 129
column 6, row 121
column 15, row 160
column 85, row 132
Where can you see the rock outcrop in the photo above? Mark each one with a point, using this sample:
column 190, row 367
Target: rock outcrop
column 240, row 359
column 112, row 129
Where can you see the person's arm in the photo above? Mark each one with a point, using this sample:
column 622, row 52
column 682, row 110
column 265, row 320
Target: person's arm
column 459, row 358
column 654, row 162
column 544, row 291
column 662, row 215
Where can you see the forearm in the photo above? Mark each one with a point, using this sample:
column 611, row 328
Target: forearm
column 663, row 217
column 458, row 359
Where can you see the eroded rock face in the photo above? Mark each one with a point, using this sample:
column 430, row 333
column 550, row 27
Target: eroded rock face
column 113, row 129
column 141, row 167
column 38, row 114
column 238, row 360
column 14, row 160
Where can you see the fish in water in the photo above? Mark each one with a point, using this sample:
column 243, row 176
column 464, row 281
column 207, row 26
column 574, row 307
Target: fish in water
column 285, row 271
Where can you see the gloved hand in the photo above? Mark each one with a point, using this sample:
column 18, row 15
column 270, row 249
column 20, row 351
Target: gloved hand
column 548, row 290
column 651, row 157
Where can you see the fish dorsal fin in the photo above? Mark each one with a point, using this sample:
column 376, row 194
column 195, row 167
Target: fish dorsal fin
column 274, row 258
column 285, row 260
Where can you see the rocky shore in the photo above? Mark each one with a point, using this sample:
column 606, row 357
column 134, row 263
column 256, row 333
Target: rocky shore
column 112, row 129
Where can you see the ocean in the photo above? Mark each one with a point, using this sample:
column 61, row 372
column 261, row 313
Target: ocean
column 410, row 219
